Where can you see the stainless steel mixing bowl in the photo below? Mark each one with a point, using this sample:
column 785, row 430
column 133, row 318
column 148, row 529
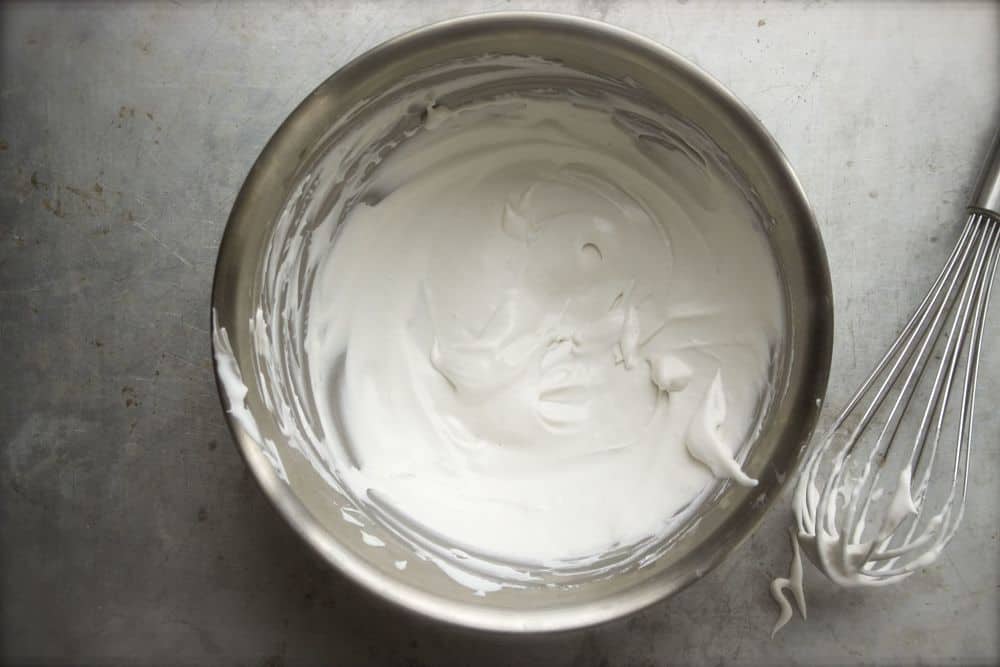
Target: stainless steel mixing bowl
column 800, row 377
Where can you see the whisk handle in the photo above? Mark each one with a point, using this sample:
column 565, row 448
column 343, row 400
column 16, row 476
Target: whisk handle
column 986, row 196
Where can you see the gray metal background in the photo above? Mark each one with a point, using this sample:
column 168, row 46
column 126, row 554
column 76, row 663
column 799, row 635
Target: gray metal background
column 130, row 530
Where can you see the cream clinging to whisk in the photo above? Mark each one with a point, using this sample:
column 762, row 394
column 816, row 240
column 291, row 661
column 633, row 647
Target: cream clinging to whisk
column 869, row 509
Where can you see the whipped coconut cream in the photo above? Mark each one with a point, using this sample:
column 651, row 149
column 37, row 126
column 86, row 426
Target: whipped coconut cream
column 525, row 332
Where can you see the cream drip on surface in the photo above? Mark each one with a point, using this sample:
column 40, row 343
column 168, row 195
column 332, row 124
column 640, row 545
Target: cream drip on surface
column 541, row 334
column 792, row 583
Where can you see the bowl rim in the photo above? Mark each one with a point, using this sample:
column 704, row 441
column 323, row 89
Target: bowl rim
column 494, row 619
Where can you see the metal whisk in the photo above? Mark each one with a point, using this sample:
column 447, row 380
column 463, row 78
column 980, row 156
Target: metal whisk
column 869, row 509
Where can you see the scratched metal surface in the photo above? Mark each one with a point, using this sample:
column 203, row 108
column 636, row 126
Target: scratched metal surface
column 129, row 529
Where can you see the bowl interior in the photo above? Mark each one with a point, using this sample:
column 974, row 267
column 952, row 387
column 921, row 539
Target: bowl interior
column 314, row 153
